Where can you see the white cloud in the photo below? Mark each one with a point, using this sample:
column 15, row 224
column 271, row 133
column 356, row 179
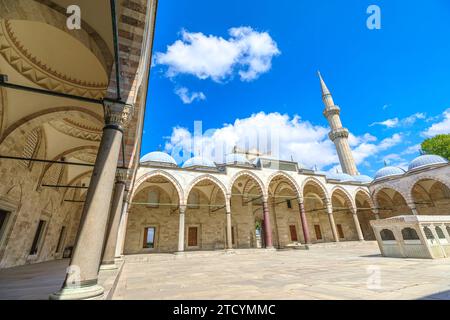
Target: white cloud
column 412, row 149
column 188, row 97
column 396, row 122
column 442, row 127
column 281, row 135
column 247, row 52
column 389, row 123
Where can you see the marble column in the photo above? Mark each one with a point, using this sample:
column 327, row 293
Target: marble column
column 267, row 226
column 82, row 274
column 109, row 252
column 122, row 229
column 181, row 229
column 304, row 221
column 229, row 232
column 357, row 225
column 332, row 223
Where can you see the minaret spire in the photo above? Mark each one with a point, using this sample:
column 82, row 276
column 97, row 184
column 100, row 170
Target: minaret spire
column 339, row 135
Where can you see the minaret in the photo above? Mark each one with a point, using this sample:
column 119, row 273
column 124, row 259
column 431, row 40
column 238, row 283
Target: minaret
column 339, row 134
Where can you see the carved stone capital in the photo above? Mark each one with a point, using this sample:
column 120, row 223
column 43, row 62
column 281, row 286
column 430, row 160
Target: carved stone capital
column 117, row 114
column 122, row 175
column 340, row 133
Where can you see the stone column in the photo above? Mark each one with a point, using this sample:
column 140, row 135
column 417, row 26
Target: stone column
column 82, row 275
column 304, row 221
column 181, row 229
column 267, row 226
column 357, row 225
column 229, row 232
column 332, row 223
column 122, row 229
column 109, row 253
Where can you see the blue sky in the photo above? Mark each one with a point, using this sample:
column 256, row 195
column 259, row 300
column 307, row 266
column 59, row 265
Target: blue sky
column 256, row 61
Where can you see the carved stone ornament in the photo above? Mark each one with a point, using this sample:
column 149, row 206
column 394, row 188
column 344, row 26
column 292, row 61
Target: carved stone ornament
column 118, row 114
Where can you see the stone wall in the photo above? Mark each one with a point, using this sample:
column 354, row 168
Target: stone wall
column 27, row 205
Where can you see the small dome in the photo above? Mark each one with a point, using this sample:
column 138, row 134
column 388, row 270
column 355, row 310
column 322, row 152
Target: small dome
column 426, row 160
column 199, row 162
column 159, row 157
column 340, row 176
column 363, row 179
column 389, row 172
column 238, row 159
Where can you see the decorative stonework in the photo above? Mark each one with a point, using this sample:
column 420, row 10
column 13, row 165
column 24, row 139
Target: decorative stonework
column 339, row 133
column 331, row 111
column 77, row 130
column 88, row 157
column 40, row 73
column 118, row 114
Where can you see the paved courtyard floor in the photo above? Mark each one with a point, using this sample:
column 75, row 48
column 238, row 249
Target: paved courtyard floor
column 344, row 271
column 349, row 270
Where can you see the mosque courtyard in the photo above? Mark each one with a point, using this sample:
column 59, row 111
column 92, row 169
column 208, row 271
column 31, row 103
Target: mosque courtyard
column 348, row 270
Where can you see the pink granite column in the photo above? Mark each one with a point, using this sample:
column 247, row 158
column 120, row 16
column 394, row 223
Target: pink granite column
column 267, row 226
column 304, row 221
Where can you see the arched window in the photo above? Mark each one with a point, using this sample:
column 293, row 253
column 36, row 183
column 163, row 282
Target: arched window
column 428, row 233
column 440, row 233
column 387, row 235
column 410, row 234
column 153, row 199
column 194, row 200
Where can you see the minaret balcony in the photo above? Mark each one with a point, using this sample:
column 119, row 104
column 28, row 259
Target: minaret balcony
column 339, row 133
column 331, row 111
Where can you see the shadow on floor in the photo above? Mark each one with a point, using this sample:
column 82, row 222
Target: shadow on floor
column 444, row 295
column 32, row 282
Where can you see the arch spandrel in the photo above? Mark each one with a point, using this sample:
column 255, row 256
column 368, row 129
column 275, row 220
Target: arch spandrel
column 250, row 175
column 347, row 197
column 290, row 180
column 140, row 181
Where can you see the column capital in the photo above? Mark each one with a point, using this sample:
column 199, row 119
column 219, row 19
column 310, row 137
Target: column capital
column 117, row 114
column 182, row 209
column 122, row 175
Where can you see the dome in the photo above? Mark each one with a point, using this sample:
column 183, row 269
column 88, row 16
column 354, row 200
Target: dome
column 235, row 158
column 340, row 176
column 389, row 172
column 363, row 179
column 199, row 162
column 160, row 157
column 426, row 160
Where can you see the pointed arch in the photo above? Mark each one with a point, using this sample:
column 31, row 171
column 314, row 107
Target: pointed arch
column 294, row 185
column 252, row 176
column 60, row 156
column 32, row 121
column 210, row 178
column 366, row 194
column 445, row 182
column 158, row 173
column 347, row 196
column 317, row 183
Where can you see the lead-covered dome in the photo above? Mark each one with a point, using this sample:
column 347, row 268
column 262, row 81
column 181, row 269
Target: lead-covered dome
column 199, row 162
column 236, row 159
column 343, row 177
column 389, row 172
column 425, row 161
column 158, row 157
column 363, row 179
